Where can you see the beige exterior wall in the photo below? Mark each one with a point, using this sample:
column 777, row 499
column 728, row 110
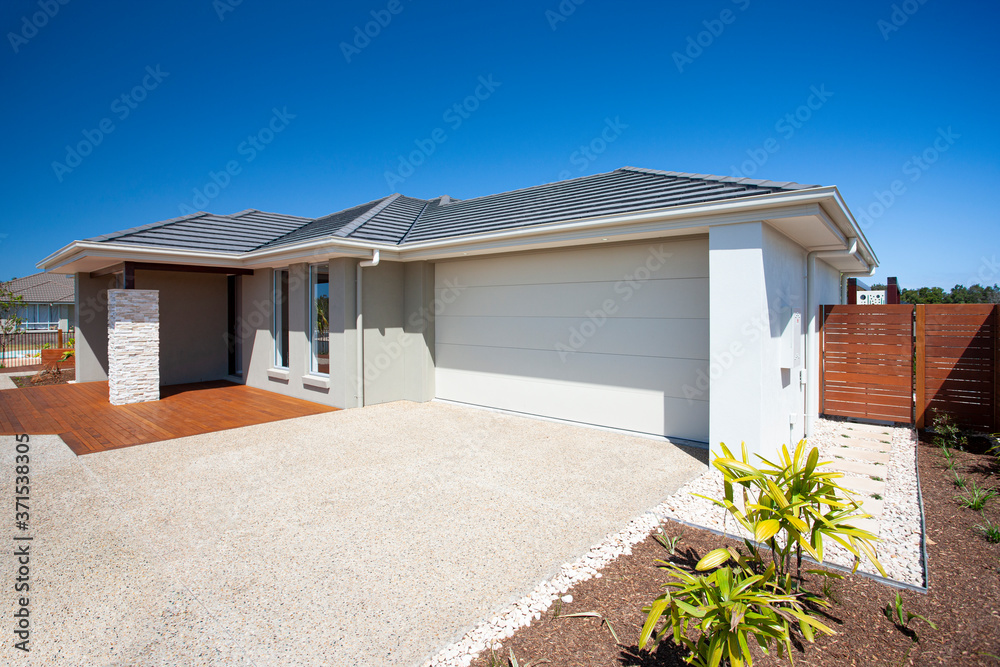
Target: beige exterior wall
column 193, row 318
column 399, row 340
column 92, row 327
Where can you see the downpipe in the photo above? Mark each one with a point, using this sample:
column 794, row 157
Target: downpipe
column 360, row 325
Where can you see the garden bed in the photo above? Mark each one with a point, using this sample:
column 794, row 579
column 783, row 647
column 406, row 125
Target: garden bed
column 963, row 597
column 48, row 378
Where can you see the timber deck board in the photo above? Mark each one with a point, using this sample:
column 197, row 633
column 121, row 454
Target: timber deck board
column 87, row 422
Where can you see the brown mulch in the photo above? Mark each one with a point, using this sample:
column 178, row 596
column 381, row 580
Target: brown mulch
column 44, row 378
column 963, row 599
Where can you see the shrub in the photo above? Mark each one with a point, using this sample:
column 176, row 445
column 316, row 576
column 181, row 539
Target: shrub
column 790, row 506
column 728, row 606
column 795, row 499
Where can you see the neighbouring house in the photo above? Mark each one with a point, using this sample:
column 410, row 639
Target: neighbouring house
column 669, row 304
column 49, row 301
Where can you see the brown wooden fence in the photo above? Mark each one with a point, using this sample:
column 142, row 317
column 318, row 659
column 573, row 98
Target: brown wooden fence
column 867, row 362
column 901, row 363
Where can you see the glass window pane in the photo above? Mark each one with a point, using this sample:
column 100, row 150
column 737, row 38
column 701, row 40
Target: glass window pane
column 319, row 317
column 281, row 318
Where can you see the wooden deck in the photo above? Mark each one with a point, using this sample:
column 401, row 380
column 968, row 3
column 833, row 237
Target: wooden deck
column 82, row 416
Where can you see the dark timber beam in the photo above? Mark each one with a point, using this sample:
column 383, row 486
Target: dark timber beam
column 128, row 269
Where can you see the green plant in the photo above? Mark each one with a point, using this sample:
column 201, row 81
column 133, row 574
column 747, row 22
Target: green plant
column 668, row 543
column 71, row 342
column 46, row 346
column 901, row 618
column 957, row 480
column 989, row 530
column 976, row 498
column 729, row 607
column 946, row 432
column 877, row 496
column 876, row 478
column 792, row 506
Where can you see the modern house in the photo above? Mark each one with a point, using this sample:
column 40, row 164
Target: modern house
column 669, row 304
column 49, row 301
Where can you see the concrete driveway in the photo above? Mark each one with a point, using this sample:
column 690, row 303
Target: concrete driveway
column 363, row 537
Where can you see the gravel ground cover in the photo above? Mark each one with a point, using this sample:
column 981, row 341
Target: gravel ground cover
column 363, row 537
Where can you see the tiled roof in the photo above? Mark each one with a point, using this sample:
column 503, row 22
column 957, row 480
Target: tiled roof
column 44, row 288
column 399, row 220
column 239, row 232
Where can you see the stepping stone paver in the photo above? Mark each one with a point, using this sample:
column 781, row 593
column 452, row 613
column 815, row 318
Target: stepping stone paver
column 863, row 485
column 858, row 468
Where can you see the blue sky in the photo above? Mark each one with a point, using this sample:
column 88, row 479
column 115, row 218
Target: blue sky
column 308, row 126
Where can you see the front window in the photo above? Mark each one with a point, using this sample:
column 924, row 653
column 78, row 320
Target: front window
column 281, row 318
column 319, row 318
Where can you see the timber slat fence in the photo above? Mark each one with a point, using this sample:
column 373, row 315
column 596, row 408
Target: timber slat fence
column 901, row 363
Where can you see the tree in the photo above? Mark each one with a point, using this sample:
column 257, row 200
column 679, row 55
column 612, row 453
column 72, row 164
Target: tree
column 10, row 318
column 958, row 294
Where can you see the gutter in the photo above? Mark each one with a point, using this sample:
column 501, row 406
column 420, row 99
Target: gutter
column 811, row 377
column 360, row 326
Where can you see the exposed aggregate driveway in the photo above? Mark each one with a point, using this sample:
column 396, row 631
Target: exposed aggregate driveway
column 362, row 537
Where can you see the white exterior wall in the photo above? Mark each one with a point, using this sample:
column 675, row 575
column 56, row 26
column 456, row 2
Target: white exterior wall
column 738, row 328
column 784, row 394
column 758, row 281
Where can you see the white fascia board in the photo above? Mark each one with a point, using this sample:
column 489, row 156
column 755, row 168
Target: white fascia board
column 842, row 214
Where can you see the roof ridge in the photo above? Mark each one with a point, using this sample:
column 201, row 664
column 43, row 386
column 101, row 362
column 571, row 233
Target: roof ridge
column 352, row 226
column 531, row 187
column 755, row 182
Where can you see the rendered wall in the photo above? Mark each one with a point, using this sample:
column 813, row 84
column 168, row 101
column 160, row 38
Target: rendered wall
column 785, row 282
column 92, row 327
column 193, row 323
column 739, row 328
column 758, row 279
column 399, row 336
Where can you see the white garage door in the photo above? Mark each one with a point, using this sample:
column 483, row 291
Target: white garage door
column 613, row 335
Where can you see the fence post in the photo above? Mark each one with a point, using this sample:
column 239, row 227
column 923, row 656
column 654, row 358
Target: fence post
column 59, row 339
column 996, row 368
column 921, row 353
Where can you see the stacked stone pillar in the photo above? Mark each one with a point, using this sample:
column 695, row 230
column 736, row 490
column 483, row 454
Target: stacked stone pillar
column 133, row 346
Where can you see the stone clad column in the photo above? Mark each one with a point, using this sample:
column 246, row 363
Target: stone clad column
column 133, row 346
